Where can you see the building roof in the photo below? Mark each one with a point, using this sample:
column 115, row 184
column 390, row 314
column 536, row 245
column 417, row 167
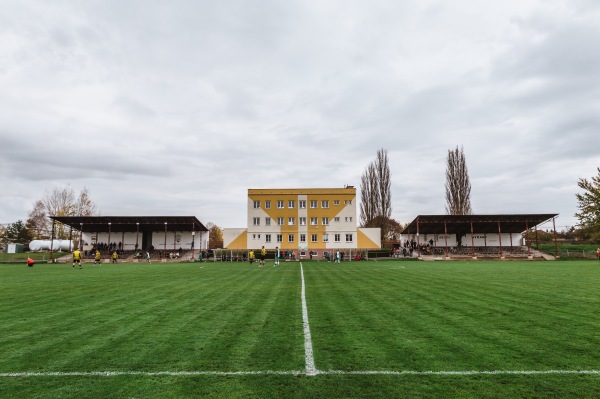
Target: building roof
column 461, row 224
column 100, row 224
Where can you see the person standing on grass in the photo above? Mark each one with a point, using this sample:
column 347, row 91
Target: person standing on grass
column 115, row 256
column 30, row 262
column 263, row 255
column 97, row 258
column 277, row 255
column 251, row 256
column 148, row 257
column 337, row 256
column 77, row 258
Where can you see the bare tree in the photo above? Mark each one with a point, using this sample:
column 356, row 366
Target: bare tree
column 63, row 202
column 458, row 186
column 369, row 192
column 376, row 197
column 37, row 222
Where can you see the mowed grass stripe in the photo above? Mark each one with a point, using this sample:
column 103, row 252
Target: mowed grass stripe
column 160, row 317
column 424, row 317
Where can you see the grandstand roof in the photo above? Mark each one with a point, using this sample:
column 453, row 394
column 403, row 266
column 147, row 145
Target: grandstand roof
column 461, row 224
column 99, row 224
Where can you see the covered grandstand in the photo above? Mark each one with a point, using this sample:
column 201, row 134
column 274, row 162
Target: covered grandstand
column 483, row 235
column 160, row 234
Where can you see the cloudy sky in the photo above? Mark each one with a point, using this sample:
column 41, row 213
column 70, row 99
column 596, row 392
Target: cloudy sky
column 178, row 107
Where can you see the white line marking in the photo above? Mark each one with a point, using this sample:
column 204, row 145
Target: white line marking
column 311, row 370
column 294, row 372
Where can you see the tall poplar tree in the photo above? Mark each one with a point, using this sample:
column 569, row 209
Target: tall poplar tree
column 458, row 186
column 376, row 195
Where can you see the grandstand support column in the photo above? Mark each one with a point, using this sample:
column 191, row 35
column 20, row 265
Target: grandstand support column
column 537, row 240
column 500, row 240
column 555, row 240
column 109, row 227
column 137, row 235
column 446, row 237
column 70, row 237
column 80, row 236
column 165, row 253
column 52, row 241
column 193, row 241
column 527, row 238
column 418, row 240
column 472, row 242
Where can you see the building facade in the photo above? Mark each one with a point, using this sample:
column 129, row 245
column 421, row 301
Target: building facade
column 302, row 219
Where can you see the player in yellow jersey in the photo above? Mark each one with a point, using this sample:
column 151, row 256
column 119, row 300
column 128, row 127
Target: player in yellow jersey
column 251, row 256
column 77, row 258
column 263, row 255
column 97, row 258
column 114, row 257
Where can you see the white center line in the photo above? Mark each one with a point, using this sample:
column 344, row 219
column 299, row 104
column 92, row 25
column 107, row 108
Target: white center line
column 311, row 370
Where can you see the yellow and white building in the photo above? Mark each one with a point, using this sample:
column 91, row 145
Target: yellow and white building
column 314, row 220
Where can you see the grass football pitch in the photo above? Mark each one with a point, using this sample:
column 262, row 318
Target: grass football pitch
column 387, row 329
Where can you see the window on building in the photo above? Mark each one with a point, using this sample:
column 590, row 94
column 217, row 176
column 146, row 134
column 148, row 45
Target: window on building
column 348, row 218
column 267, row 237
column 256, row 221
column 336, row 219
column 302, row 237
column 348, row 237
column 314, row 238
column 267, row 221
column 302, row 204
column 336, row 202
column 291, row 204
column 256, row 204
column 279, row 204
column 314, row 204
column 325, row 237
column 302, row 221
column 314, row 221
column 268, row 204
column 325, row 221
column 291, row 221
column 290, row 238
column 279, row 221
column 336, row 237
column 324, row 204
column 279, row 237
